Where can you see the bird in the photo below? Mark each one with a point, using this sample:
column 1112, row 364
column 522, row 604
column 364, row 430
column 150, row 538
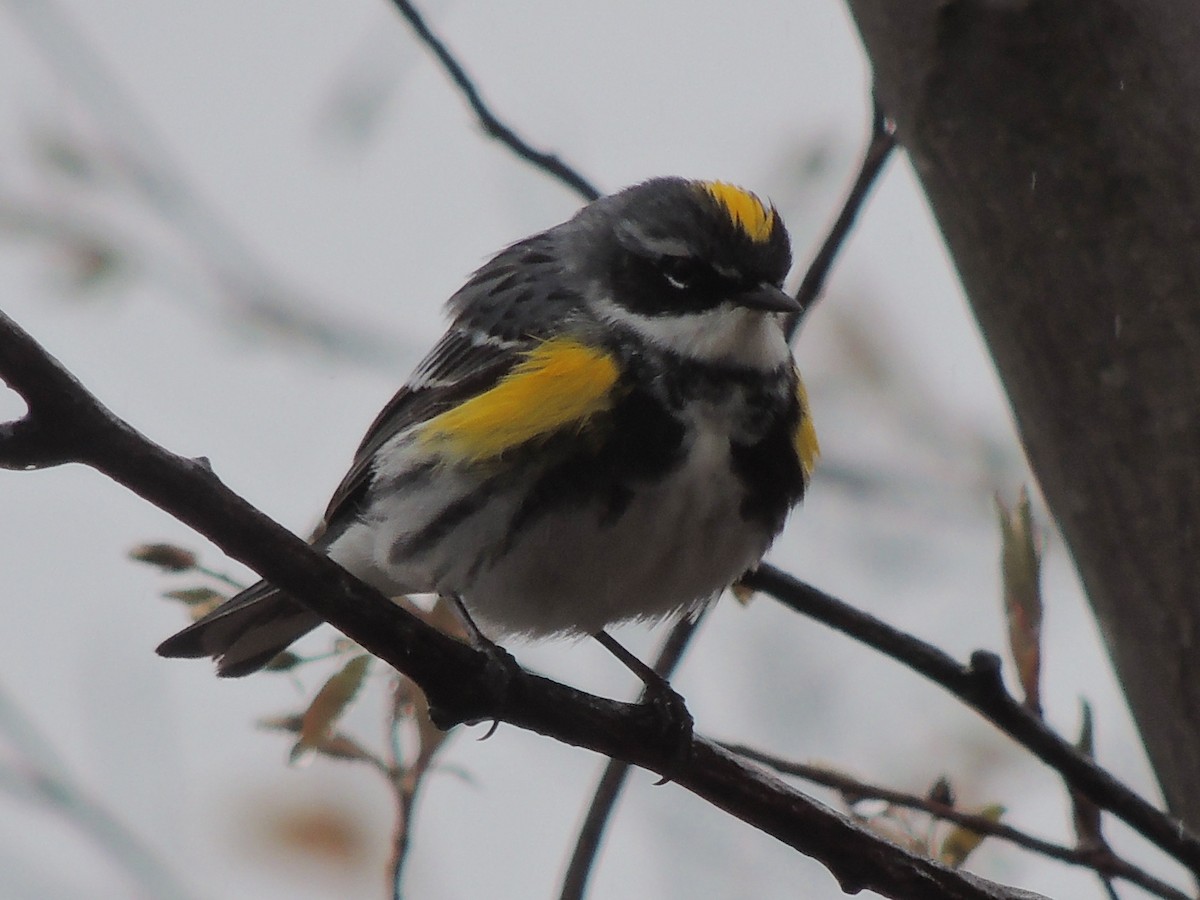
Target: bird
column 613, row 428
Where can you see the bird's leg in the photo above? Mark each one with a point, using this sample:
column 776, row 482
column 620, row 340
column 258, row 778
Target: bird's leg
column 673, row 713
column 502, row 667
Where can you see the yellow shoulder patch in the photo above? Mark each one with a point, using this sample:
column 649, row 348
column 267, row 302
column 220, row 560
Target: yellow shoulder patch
column 805, row 437
column 744, row 209
column 561, row 383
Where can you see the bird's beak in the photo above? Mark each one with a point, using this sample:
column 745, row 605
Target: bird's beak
column 768, row 298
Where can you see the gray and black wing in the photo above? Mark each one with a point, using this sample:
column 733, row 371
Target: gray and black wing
column 507, row 307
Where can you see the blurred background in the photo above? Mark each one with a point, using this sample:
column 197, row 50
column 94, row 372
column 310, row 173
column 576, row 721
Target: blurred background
column 236, row 224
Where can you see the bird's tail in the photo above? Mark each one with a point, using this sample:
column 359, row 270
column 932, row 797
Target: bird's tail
column 244, row 633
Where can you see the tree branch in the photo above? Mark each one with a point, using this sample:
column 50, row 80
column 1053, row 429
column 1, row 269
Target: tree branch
column 1100, row 859
column 879, row 151
column 540, row 159
column 68, row 424
column 979, row 686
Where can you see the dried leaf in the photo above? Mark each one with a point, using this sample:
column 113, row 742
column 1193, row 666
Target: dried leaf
column 336, row 746
column 429, row 737
column 343, row 645
column 941, row 791
column 1084, row 813
column 410, row 706
column 283, row 662
column 741, row 593
column 341, row 746
column 290, row 723
column 1020, row 567
column 329, row 704
column 961, row 841
column 895, row 833
column 90, row 264
column 168, row 557
column 195, row 596
column 320, row 832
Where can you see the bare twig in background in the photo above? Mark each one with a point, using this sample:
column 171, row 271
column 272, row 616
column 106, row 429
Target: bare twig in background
column 979, row 685
column 591, row 832
column 407, row 771
column 879, row 150
column 404, row 789
column 39, row 776
column 250, row 293
column 404, row 776
column 1101, row 860
column 540, row 159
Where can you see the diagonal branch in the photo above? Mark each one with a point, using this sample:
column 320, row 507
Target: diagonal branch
column 540, row 159
column 1102, row 860
column 979, row 686
column 72, row 425
column 879, row 151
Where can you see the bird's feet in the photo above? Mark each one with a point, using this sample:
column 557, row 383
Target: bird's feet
column 675, row 725
column 673, row 721
column 500, row 671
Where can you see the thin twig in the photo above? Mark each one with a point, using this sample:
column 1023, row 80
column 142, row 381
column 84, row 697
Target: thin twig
column 980, row 686
column 1100, row 860
column 222, row 577
column 246, row 286
column 407, row 778
column 547, row 162
column 402, row 830
column 591, row 832
column 46, row 779
column 883, row 141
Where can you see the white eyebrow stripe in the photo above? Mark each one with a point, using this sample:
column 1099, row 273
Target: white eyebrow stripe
column 658, row 246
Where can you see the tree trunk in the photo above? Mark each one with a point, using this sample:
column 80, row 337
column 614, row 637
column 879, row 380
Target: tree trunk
column 1059, row 145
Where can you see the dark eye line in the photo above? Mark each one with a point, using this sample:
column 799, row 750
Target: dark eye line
column 687, row 272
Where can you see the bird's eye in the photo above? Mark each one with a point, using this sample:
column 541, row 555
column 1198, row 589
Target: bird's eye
column 681, row 272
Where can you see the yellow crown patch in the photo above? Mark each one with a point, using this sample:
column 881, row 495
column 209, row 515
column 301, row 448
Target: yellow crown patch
column 744, row 209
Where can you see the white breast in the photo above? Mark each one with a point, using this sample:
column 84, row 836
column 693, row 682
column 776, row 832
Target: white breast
column 573, row 569
column 728, row 335
column 676, row 545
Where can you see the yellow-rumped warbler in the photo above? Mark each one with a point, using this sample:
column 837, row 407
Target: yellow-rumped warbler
column 612, row 428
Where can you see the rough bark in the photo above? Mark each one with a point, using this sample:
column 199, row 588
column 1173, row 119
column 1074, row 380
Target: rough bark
column 1057, row 143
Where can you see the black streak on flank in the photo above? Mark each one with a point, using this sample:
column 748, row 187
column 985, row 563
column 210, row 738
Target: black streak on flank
column 638, row 440
column 772, row 474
